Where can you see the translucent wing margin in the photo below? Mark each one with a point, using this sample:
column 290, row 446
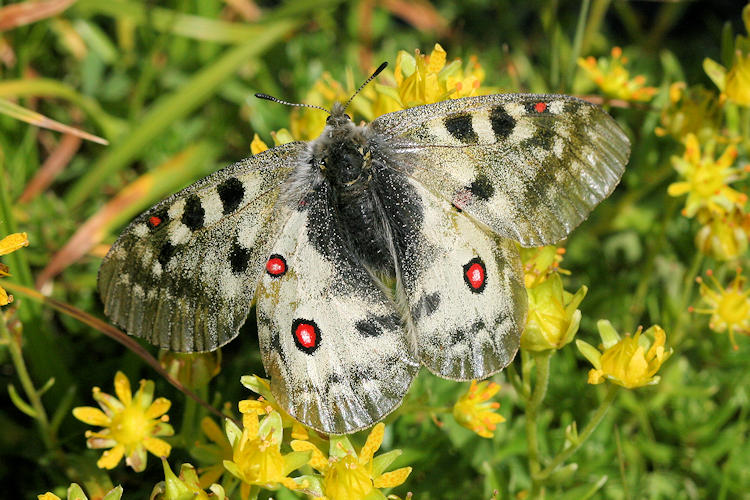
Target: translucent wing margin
column 182, row 275
column 530, row 167
column 331, row 338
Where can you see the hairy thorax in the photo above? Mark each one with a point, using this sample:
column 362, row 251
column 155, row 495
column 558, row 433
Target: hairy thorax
column 342, row 154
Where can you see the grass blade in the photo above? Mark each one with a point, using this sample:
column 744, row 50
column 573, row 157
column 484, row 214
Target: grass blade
column 171, row 108
column 20, row 113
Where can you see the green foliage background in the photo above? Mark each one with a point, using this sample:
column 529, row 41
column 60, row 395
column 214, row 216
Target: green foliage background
column 162, row 78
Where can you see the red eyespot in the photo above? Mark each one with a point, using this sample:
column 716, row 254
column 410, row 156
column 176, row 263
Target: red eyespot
column 540, row 107
column 154, row 221
column 475, row 274
column 306, row 335
column 276, row 266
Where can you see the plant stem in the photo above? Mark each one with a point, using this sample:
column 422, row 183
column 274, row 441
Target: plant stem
column 542, row 360
column 583, row 436
column 32, row 394
column 687, row 293
column 577, row 41
column 515, row 381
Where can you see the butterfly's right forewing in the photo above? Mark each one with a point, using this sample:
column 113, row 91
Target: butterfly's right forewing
column 183, row 274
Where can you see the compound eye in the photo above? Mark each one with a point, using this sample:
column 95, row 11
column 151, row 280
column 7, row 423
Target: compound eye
column 329, row 120
column 348, row 117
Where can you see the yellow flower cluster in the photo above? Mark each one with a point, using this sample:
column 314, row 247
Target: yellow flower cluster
column 706, row 179
column 75, row 492
column 614, row 80
column 553, row 317
column 476, row 412
column 693, row 110
column 419, row 79
column 734, row 82
column 9, row 244
column 132, row 424
column 345, row 474
column 629, row 361
column 729, row 308
column 720, row 208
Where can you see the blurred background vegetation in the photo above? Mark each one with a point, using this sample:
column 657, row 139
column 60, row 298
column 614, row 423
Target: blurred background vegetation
column 169, row 85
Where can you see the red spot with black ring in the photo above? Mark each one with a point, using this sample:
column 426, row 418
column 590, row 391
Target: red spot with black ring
column 540, row 107
column 154, row 221
column 306, row 335
column 475, row 275
column 276, row 266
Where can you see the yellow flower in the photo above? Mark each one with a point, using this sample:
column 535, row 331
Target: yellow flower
column 185, row 487
column 553, row 316
column 76, row 493
column 9, row 244
column 728, row 307
column 266, row 403
column 215, row 453
column 611, row 76
column 690, row 110
column 541, row 262
column 737, row 86
column 348, row 475
column 132, row 424
column 476, row 412
column 422, row 79
column 724, row 236
column 257, row 458
column 707, row 179
column 629, row 361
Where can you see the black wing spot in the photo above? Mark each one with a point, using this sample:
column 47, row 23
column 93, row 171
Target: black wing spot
column 231, row 192
column 482, row 187
column 166, row 253
column 543, row 138
column 502, row 123
column 193, row 214
column 239, row 258
column 460, row 127
column 374, row 326
column 427, row 305
column 306, row 335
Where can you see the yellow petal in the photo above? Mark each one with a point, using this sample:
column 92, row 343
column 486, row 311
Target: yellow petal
column 678, row 188
column 299, row 431
column 5, row 299
column 91, row 416
column 212, row 430
column 437, row 59
column 318, row 461
column 48, row 496
column 13, row 242
column 157, row 446
column 374, row 440
column 122, row 388
column 393, row 478
column 111, row 458
column 692, row 149
column 595, row 377
column 158, row 408
column 257, row 145
column 251, row 425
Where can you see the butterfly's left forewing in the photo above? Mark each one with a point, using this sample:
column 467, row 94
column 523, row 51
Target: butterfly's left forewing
column 331, row 338
column 183, row 274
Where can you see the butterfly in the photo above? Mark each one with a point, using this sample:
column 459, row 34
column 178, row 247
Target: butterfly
column 370, row 251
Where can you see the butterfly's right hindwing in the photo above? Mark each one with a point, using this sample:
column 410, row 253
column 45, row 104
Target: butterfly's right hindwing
column 183, row 274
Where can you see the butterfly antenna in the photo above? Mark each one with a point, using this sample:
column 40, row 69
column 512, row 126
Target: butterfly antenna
column 376, row 73
column 274, row 99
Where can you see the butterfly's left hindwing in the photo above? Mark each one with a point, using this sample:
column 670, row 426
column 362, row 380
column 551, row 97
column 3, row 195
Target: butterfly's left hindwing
column 331, row 337
column 183, row 274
